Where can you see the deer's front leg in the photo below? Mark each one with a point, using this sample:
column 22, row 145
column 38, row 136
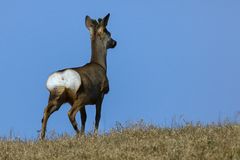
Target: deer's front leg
column 83, row 118
column 98, row 113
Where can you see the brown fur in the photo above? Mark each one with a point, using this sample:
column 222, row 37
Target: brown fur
column 93, row 77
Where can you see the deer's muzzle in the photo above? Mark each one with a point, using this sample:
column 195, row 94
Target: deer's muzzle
column 112, row 43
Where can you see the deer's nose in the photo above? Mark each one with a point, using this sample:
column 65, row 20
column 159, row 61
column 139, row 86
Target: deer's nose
column 114, row 43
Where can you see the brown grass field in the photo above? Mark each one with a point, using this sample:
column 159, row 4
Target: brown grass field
column 136, row 141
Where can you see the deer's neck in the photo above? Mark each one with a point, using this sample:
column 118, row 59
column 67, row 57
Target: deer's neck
column 99, row 53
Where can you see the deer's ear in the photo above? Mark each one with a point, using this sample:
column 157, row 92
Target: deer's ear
column 104, row 22
column 88, row 22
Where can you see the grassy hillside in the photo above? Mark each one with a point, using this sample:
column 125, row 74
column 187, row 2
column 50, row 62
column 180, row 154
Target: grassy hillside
column 138, row 141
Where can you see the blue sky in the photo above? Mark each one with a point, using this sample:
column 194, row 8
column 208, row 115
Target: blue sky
column 173, row 59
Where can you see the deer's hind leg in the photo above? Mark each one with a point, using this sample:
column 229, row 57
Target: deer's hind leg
column 54, row 103
column 77, row 105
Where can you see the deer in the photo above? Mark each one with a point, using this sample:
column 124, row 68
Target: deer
column 85, row 85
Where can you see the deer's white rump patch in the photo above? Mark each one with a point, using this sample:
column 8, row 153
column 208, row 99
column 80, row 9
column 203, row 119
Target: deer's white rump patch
column 68, row 78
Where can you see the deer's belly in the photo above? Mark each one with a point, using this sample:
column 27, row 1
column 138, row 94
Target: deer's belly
column 68, row 78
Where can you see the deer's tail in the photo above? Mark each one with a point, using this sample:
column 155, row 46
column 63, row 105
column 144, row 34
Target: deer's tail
column 57, row 92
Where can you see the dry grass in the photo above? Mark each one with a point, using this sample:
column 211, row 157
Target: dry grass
column 137, row 141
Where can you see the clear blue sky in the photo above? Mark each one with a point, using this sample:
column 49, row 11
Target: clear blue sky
column 174, row 58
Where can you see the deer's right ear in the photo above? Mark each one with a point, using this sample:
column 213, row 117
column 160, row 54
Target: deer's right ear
column 89, row 24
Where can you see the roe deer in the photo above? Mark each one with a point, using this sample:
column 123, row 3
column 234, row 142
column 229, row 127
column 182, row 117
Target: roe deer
column 82, row 85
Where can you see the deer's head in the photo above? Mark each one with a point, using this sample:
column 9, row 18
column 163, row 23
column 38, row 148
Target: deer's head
column 99, row 31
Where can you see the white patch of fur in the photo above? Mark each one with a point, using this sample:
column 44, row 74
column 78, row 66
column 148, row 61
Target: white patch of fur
column 68, row 78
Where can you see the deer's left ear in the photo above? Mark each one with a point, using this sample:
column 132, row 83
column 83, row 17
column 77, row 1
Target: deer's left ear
column 104, row 22
column 89, row 24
